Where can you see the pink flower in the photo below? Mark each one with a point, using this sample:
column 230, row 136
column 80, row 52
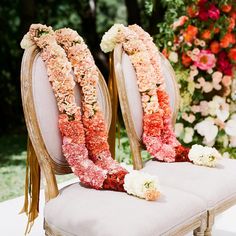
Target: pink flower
column 180, row 22
column 205, row 60
column 213, row 12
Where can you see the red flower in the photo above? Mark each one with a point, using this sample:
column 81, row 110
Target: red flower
column 231, row 24
column 223, row 64
column 186, row 60
column 203, row 14
column 215, row 47
column 213, row 12
column 232, row 54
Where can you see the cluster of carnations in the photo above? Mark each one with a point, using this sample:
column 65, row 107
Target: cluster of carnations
column 204, row 46
column 84, row 135
column 158, row 135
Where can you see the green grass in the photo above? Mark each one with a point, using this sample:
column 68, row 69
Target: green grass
column 12, row 166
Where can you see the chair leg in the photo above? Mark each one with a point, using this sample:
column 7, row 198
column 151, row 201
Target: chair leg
column 200, row 231
column 210, row 223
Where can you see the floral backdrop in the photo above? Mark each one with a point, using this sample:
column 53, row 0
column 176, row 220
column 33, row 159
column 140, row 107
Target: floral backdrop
column 199, row 39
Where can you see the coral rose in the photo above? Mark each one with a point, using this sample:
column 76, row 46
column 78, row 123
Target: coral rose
column 190, row 33
column 205, row 60
column 232, row 54
column 226, row 8
column 215, row 47
column 228, row 39
column 192, row 11
column 186, row 60
column 206, row 34
column 231, row 24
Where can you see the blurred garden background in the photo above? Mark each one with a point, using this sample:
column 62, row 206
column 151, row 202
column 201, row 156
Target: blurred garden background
column 197, row 36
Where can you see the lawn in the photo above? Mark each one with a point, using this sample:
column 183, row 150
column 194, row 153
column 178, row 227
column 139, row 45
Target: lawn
column 12, row 166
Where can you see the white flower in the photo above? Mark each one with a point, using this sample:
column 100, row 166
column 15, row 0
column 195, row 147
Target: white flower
column 173, row 56
column 203, row 156
column 26, row 42
column 179, row 128
column 109, row 39
column 208, row 130
column 219, row 107
column 226, row 155
column 142, row 185
column 188, row 135
column 230, row 129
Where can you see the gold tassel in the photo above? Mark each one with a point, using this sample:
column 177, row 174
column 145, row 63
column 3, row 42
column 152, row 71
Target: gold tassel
column 114, row 101
column 32, row 187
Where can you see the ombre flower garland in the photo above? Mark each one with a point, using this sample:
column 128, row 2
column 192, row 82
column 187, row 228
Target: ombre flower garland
column 102, row 172
column 158, row 135
column 70, row 124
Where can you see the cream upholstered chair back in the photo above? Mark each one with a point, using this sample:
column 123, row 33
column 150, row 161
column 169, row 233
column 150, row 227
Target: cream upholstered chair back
column 130, row 99
column 41, row 114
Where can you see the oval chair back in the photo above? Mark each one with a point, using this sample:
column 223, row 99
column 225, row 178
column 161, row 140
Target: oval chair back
column 130, row 99
column 41, row 116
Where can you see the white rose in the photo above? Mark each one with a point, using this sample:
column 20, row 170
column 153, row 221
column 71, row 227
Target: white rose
column 142, row 185
column 188, row 135
column 26, row 42
column 173, row 56
column 109, row 39
column 203, row 156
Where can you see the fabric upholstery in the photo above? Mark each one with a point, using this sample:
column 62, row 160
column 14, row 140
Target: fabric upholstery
column 213, row 185
column 87, row 212
column 47, row 112
column 134, row 98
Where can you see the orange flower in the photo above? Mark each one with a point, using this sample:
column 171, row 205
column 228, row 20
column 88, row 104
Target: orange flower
column 227, row 40
column 192, row 11
column 215, row 47
column 226, row 8
column 206, row 34
column 190, row 33
column 186, row 60
column 232, row 54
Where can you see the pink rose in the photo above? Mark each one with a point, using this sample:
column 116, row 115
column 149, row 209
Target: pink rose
column 205, row 60
column 213, row 12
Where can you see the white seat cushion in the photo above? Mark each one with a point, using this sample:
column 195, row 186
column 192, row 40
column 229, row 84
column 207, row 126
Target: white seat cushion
column 214, row 185
column 88, row 212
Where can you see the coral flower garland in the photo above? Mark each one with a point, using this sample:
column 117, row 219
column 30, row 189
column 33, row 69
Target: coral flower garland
column 158, row 134
column 86, row 74
column 70, row 125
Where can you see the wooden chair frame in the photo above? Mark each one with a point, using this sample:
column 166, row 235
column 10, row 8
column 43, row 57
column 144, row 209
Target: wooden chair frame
column 48, row 166
column 135, row 142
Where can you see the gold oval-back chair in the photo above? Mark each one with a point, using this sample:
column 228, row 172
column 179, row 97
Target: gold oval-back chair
column 76, row 210
column 217, row 186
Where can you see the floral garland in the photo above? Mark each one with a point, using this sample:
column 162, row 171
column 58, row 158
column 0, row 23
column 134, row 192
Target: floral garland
column 86, row 74
column 158, row 135
column 101, row 171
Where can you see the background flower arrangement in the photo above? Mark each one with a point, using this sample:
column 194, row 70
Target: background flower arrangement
column 199, row 38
